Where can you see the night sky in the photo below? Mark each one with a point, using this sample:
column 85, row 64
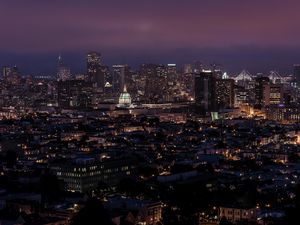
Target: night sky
column 258, row 35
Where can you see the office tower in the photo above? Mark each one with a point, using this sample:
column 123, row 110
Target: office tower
column 272, row 94
column 205, row 91
column 241, row 96
column 276, row 94
column 262, row 89
column 187, row 79
column 187, row 69
column 74, row 94
column 171, row 69
column 224, row 93
column 5, row 71
column 12, row 75
column 119, row 76
column 155, row 82
column 171, row 76
column 296, row 73
column 107, row 74
column 217, row 73
column 288, row 97
column 63, row 72
column 198, row 67
column 94, row 61
column 140, row 84
column 96, row 71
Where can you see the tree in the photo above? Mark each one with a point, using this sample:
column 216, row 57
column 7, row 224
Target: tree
column 11, row 158
column 50, row 188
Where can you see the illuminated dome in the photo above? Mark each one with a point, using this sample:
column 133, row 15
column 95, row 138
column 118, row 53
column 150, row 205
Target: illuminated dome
column 124, row 99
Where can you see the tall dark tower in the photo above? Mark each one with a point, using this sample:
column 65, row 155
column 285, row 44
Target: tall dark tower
column 224, row 93
column 94, row 70
column 261, row 85
column 93, row 60
column 119, row 77
column 296, row 73
column 205, row 91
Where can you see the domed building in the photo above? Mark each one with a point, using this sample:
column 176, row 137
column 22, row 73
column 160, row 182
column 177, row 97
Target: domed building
column 124, row 99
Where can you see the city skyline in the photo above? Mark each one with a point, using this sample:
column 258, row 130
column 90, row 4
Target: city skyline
column 258, row 36
column 162, row 112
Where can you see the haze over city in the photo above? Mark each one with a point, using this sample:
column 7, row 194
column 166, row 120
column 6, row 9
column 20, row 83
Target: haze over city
column 254, row 35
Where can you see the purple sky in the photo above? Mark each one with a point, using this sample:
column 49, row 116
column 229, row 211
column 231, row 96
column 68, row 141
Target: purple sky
column 258, row 34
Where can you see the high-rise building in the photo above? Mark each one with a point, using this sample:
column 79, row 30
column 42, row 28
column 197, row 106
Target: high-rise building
column 224, row 93
column 94, row 61
column 120, row 72
column 205, row 91
column 241, row 96
column 296, row 73
column 155, row 82
column 276, row 94
column 272, row 94
column 74, row 94
column 5, row 71
column 12, row 75
column 171, row 68
column 63, row 72
column 198, row 67
column 96, row 71
column 187, row 69
column 262, row 90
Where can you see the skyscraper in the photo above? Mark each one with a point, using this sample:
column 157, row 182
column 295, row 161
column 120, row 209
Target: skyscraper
column 63, row 72
column 224, row 93
column 296, row 73
column 262, row 87
column 205, row 91
column 120, row 72
column 198, row 67
column 155, row 82
column 12, row 75
column 5, row 71
column 74, row 94
column 276, row 94
column 187, row 69
column 95, row 72
column 93, row 60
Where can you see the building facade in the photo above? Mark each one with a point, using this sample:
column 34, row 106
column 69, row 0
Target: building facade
column 84, row 174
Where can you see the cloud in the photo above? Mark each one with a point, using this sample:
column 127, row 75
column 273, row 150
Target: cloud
column 50, row 26
column 158, row 30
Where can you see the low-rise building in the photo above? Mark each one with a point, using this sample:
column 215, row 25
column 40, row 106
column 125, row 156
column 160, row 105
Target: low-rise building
column 84, row 174
column 235, row 214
